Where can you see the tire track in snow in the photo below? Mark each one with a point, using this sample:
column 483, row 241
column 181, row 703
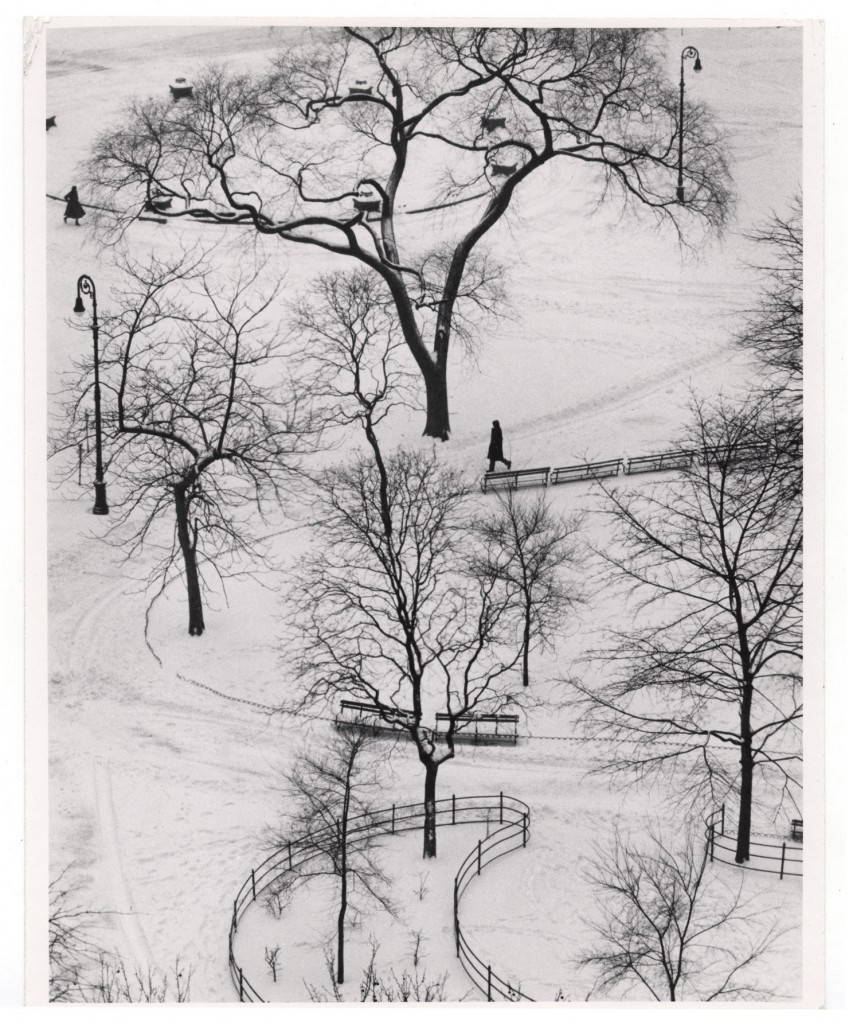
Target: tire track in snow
column 125, row 910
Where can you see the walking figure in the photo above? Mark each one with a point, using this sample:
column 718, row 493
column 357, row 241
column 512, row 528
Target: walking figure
column 74, row 209
column 496, row 447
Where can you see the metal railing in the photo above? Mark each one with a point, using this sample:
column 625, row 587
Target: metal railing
column 772, row 858
column 514, row 830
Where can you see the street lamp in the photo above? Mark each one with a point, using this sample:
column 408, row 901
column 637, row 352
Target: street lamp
column 686, row 54
column 85, row 286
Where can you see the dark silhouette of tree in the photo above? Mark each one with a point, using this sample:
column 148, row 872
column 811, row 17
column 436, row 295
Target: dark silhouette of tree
column 714, row 560
column 773, row 328
column 328, row 808
column 350, row 353
column 193, row 431
column 667, row 927
column 391, row 613
column 328, row 145
column 527, row 547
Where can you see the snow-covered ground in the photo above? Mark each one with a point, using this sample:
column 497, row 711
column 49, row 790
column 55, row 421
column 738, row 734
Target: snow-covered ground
column 159, row 788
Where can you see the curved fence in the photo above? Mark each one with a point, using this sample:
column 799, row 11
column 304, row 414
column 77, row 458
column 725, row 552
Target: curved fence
column 780, row 859
column 513, row 819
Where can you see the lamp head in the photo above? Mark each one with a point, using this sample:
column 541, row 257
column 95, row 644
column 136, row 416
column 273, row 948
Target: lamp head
column 698, row 65
column 78, row 305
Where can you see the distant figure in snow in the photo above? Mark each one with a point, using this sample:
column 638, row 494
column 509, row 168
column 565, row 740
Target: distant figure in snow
column 74, row 209
column 496, row 447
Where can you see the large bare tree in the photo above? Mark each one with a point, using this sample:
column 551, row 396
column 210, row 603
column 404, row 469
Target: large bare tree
column 714, row 560
column 348, row 126
column 390, row 613
column 202, row 425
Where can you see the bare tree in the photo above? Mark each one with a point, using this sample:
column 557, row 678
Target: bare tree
column 527, row 547
column 390, row 613
column 668, row 927
column 272, row 954
column 773, row 328
column 329, row 794
column 714, row 561
column 350, row 352
column 413, row 985
column 323, row 149
column 84, row 971
column 196, row 432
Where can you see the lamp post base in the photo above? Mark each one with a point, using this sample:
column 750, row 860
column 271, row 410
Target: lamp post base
column 679, row 193
column 101, row 507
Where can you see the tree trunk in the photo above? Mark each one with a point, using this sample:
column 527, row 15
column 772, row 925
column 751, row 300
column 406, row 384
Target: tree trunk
column 744, row 826
column 526, row 647
column 430, row 810
column 187, row 546
column 437, row 423
column 340, row 926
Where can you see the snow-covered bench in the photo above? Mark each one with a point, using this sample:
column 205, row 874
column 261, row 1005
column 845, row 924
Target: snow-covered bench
column 735, row 454
column 354, row 713
column 659, row 461
column 513, row 477
column 481, row 728
column 585, row 471
column 796, row 829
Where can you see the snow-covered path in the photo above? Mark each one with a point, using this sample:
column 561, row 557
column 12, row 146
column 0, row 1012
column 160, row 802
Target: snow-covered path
column 160, row 790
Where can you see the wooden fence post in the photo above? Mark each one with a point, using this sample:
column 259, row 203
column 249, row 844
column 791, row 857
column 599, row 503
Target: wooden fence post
column 524, row 830
column 489, row 983
column 479, row 856
column 783, row 850
column 241, row 986
column 235, row 917
column 712, row 833
column 253, row 882
column 501, row 807
column 453, row 809
column 722, row 825
column 456, row 919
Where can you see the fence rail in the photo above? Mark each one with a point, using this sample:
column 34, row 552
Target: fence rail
column 514, row 830
column 779, row 859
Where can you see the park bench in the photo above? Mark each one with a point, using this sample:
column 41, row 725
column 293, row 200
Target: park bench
column 481, row 729
column 659, row 461
column 796, row 829
column 513, row 477
column 181, row 89
column 585, row 471
column 359, row 88
column 755, row 451
column 489, row 124
column 354, row 713
column 368, row 205
column 504, row 169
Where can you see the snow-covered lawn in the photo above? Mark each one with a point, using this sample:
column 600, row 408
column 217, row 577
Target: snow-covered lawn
column 159, row 788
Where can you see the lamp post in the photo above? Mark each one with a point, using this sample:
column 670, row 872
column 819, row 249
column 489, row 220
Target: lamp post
column 686, row 54
column 85, row 286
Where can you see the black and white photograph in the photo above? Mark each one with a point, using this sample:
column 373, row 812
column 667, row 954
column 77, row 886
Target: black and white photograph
column 422, row 480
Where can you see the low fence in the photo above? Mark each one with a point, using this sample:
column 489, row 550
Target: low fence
column 513, row 831
column 780, row 859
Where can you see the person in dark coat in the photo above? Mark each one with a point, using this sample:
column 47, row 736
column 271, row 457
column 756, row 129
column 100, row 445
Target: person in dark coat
column 496, row 447
column 74, row 209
